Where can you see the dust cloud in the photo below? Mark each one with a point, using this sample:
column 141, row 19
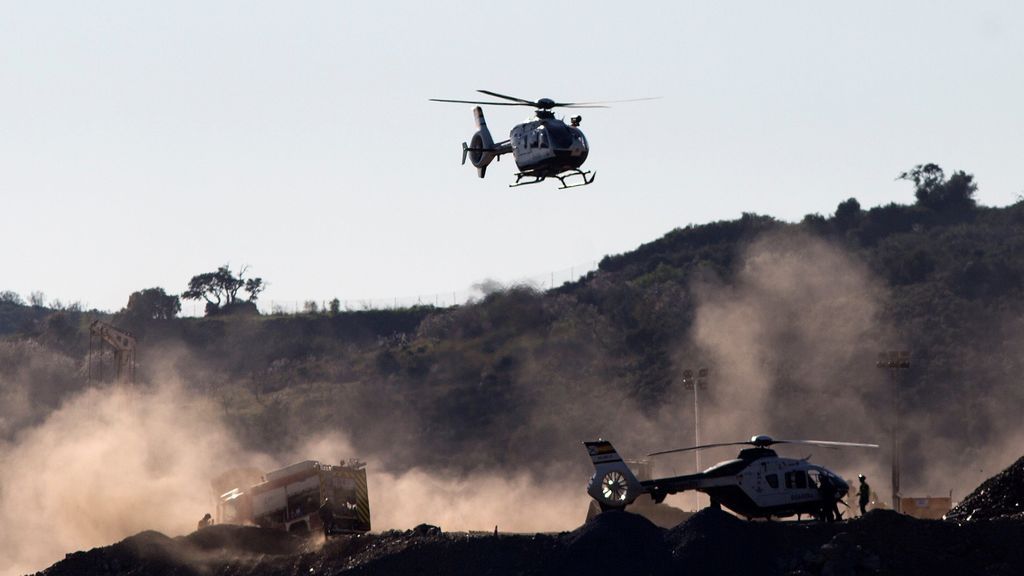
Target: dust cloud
column 519, row 501
column 114, row 461
column 792, row 340
column 110, row 462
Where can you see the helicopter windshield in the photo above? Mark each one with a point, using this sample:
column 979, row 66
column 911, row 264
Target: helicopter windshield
column 559, row 135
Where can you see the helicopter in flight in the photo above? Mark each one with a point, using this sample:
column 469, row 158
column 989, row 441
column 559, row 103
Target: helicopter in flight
column 756, row 484
column 544, row 147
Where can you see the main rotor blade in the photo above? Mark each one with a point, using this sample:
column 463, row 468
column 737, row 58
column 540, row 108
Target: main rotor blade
column 477, row 102
column 512, row 98
column 602, row 102
column 702, row 447
column 557, row 105
column 828, row 443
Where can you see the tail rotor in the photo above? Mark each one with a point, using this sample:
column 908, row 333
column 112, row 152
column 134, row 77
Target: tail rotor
column 481, row 149
column 613, row 484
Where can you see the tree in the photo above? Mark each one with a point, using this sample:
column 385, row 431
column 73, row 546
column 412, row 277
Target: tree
column 847, row 214
column 935, row 192
column 37, row 299
column 152, row 304
column 220, row 289
column 11, row 297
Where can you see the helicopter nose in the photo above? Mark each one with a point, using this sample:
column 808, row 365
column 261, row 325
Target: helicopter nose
column 842, row 485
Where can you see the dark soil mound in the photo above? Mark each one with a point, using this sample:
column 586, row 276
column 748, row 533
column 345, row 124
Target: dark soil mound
column 198, row 553
column 715, row 542
column 617, row 542
column 243, row 540
column 453, row 555
column 711, row 542
column 1001, row 496
column 145, row 553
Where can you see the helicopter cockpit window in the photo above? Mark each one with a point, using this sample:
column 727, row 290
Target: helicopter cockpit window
column 543, row 139
column 812, row 478
column 797, row 479
column 533, row 140
column 773, row 480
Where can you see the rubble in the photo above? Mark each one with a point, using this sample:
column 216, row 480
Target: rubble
column 710, row 542
column 1001, row 496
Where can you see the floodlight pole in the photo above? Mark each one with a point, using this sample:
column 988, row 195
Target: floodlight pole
column 696, row 384
column 895, row 361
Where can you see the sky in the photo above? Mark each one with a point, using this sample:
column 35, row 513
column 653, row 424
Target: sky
column 142, row 143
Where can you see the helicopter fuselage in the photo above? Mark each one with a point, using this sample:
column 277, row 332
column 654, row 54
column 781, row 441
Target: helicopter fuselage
column 543, row 148
column 547, row 147
column 758, row 484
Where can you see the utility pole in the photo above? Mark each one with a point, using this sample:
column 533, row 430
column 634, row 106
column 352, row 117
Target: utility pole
column 895, row 361
column 696, row 384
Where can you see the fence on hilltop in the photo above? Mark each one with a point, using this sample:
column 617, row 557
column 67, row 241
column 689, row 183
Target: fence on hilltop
column 279, row 307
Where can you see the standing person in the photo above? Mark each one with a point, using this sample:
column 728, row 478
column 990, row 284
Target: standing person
column 827, row 492
column 863, row 494
column 326, row 513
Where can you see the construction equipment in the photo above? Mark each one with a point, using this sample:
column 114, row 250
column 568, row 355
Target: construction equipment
column 121, row 344
column 289, row 498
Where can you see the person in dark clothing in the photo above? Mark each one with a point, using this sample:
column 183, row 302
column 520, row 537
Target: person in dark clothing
column 326, row 514
column 827, row 491
column 206, row 521
column 863, row 494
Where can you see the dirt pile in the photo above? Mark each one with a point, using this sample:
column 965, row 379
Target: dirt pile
column 201, row 552
column 711, row 542
column 249, row 551
column 1001, row 496
column 619, row 543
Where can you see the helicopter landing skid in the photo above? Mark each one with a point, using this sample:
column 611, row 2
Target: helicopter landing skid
column 561, row 178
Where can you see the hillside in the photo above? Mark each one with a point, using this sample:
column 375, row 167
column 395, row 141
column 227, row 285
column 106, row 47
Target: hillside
column 472, row 411
column 946, row 288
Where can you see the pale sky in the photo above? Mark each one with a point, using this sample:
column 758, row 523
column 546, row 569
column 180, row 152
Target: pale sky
column 144, row 142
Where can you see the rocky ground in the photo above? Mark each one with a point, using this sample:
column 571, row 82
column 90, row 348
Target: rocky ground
column 711, row 542
column 1001, row 496
column 982, row 537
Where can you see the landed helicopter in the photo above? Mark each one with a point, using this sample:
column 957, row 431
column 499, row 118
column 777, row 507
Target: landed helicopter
column 756, row 484
column 545, row 147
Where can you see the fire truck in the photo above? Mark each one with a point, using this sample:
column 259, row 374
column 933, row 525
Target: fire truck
column 289, row 498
